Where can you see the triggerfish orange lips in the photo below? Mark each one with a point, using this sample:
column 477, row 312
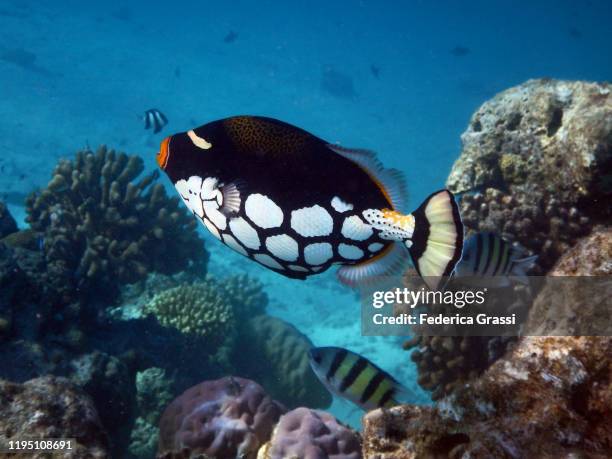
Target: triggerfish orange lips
column 164, row 153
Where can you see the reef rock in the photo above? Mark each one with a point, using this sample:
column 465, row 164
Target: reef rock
column 539, row 159
column 108, row 381
column 549, row 397
column 577, row 305
column 228, row 417
column 51, row 407
column 311, row 434
column 278, row 359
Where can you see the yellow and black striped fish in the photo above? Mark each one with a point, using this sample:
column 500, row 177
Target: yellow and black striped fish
column 355, row 378
column 489, row 260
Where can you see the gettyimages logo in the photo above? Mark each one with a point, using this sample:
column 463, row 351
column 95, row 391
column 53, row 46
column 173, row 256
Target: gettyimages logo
column 504, row 306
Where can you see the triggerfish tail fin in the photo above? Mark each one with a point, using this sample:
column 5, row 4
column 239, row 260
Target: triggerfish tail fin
column 437, row 240
column 521, row 266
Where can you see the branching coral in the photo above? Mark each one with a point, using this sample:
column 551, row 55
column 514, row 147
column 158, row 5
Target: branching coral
column 102, row 228
column 198, row 309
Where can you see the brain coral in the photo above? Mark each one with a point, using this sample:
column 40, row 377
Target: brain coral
column 311, row 434
column 199, row 308
column 278, row 358
column 226, row 418
column 101, row 228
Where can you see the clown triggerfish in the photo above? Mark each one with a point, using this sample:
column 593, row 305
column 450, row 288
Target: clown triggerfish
column 297, row 204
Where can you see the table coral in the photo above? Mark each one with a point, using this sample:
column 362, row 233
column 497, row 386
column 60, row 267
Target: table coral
column 102, row 228
column 199, row 309
column 311, row 434
column 228, row 417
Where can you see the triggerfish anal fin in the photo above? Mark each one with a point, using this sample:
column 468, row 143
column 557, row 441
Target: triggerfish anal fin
column 437, row 241
column 390, row 181
column 388, row 262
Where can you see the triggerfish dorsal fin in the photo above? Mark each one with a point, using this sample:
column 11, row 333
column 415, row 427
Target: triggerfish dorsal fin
column 390, row 181
column 389, row 261
column 437, row 241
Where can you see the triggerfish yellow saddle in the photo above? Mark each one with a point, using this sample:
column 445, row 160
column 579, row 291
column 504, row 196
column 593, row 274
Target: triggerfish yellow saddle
column 297, row 205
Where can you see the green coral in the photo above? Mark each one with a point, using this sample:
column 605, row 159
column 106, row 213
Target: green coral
column 102, row 228
column 198, row 308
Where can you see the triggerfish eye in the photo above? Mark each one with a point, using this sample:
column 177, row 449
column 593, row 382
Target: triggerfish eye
column 164, row 153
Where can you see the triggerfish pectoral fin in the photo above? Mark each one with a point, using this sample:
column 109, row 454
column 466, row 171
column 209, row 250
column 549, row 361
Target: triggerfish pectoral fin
column 437, row 241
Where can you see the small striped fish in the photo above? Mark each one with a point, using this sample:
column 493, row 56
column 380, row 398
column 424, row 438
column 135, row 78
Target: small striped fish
column 155, row 119
column 355, row 378
column 491, row 260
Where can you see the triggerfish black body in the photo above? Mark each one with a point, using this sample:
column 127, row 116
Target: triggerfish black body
column 297, row 204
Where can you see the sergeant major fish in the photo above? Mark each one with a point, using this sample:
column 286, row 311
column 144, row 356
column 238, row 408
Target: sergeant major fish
column 351, row 376
column 155, row 119
column 489, row 260
column 297, row 204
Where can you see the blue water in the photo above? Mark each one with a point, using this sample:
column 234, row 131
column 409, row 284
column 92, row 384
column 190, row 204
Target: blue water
column 97, row 67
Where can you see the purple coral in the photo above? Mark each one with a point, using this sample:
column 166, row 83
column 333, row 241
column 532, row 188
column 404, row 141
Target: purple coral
column 229, row 417
column 312, row 434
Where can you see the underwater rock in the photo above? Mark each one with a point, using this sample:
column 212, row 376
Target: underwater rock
column 550, row 397
column 102, row 229
column 568, row 308
column 8, row 224
column 199, row 309
column 154, row 391
column 12, row 281
column 228, row 417
column 111, row 386
column 311, row 434
column 50, row 408
column 278, row 360
column 547, row 397
column 536, row 165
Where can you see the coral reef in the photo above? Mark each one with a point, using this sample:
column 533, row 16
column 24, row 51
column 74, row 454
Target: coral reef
column 278, row 359
column 577, row 306
column 538, row 158
column 311, row 434
column 199, row 309
column 228, row 417
column 8, row 224
column 51, row 407
column 109, row 382
column 153, row 393
column 246, row 295
column 547, row 397
column 101, row 228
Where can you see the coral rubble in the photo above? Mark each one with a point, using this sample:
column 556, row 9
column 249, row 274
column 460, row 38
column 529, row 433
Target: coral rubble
column 228, row 417
column 311, row 434
column 51, row 408
column 535, row 165
column 101, row 228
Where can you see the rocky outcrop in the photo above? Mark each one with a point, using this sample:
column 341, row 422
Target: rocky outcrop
column 536, row 165
column 551, row 396
column 8, row 225
column 51, row 407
